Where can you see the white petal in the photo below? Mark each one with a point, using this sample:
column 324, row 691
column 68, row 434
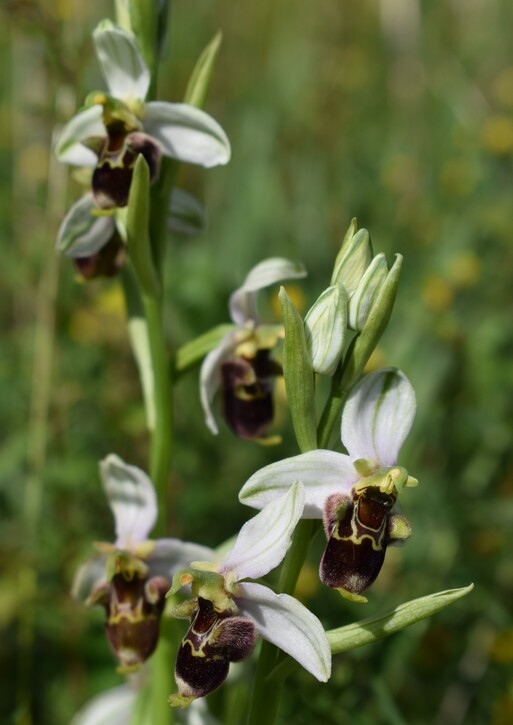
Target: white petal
column 86, row 124
column 264, row 540
column 367, row 291
column 321, row 472
column 210, row 375
column 264, row 274
column 325, row 329
column 125, row 72
column 88, row 576
column 187, row 134
column 285, row 622
column 132, row 500
column 113, row 707
column 378, row 416
column 81, row 233
column 170, row 555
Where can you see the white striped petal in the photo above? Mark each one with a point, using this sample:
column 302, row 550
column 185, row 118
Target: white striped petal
column 131, row 498
column 270, row 271
column 264, row 540
column 86, row 124
column 282, row 620
column 81, row 232
column 325, row 329
column 125, row 72
column 367, row 291
column 210, row 375
column 187, row 133
column 378, row 416
column 88, row 576
column 321, row 472
column 170, row 555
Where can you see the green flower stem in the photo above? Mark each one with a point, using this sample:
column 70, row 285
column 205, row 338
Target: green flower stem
column 162, row 435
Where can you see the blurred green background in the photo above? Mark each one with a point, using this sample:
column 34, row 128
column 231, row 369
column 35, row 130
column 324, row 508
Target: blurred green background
column 398, row 112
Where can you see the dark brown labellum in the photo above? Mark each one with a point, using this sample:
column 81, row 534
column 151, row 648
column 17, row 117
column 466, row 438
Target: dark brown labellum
column 211, row 643
column 113, row 173
column 133, row 607
column 106, row 262
column 358, row 532
column 247, row 393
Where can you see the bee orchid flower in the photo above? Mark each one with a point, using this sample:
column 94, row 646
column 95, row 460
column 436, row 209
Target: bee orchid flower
column 241, row 364
column 114, row 127
column 354, row 493
column 131, row 576
column 227, row 613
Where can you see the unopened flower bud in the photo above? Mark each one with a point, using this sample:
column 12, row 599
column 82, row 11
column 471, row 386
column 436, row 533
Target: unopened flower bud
column 354, row 257
column 366, row 292
column 325, row 329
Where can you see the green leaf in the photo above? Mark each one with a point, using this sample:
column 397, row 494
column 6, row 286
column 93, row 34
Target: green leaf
column 299, row 376
column 137, row 222
column 199, row 81
column 195, row 350
column 375, row 628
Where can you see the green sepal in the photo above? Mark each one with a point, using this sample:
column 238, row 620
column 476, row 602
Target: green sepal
column 123, row 562
column 299, row 376
column 197, row 87
column 365, row 343
column 140, row 17
column 376, row 628
column 137, row 229
column 205, row 584
column 195, row 350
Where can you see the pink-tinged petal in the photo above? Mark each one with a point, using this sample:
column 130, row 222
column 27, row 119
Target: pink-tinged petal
column 378, row 416
column 282, row 620
column 187, row 133
column 210, row 374
column 86, row 124
column 170, row 555
column 125, row 72
column 270, row 271
column 321, row 472
column 131, row 498
column 264, row 540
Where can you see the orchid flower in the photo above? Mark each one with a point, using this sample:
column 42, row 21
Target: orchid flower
column 241, row 363
column 227, row 613
column 131, row 576
column 355, row 493
column 94, row 242
column 115, row 127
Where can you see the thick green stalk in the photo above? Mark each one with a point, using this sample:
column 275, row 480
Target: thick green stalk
column 162, row 434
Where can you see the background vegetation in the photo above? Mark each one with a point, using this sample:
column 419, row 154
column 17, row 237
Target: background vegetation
column 398, row 112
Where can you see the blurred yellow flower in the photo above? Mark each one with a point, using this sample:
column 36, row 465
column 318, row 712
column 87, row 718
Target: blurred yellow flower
column 458, row 177
column 465, row 269
column 497, row 135
column 502, row 648
column 437, row 293
column 307, row 583
column 297, row 296
column 103, row 322
column 502, row 88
